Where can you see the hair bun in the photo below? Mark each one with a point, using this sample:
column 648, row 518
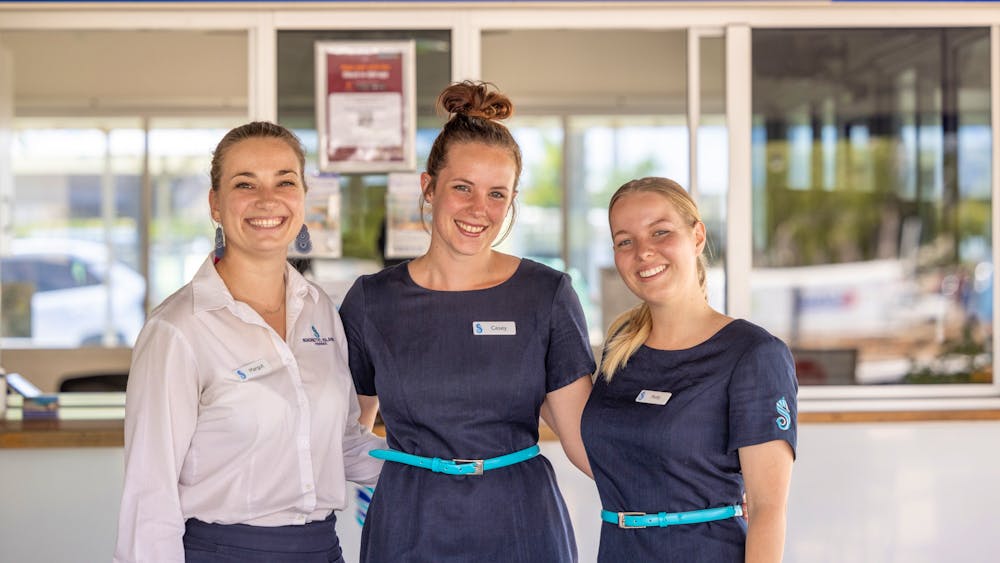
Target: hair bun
column 476, row 99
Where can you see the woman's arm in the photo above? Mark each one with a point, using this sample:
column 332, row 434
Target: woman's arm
column 369, row 408
column 161, row 413
column 767, row 472
column 359, row 466
column 562, row 411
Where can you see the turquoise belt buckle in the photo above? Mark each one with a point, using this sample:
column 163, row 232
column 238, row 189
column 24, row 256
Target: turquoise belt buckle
column 624, row 526
column 477, row 464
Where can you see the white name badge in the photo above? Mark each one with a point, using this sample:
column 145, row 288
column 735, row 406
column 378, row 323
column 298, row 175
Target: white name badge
column 252, row 370
column 494, row 328
column 653, row 397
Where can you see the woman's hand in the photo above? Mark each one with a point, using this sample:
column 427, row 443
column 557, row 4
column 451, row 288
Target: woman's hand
column 562, row 411
column 369, row 408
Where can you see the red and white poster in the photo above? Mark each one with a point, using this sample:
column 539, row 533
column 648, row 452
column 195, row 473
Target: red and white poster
column 365, row 105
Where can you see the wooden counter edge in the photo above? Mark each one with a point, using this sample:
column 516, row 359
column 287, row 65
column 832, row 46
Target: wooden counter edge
column 899, row 416
column 109, row 433
column 62, row 434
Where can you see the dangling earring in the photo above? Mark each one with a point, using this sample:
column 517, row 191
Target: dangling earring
column 220, row 243
column 303, row 243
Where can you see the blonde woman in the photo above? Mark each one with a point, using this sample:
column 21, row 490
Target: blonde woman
column 691, row 408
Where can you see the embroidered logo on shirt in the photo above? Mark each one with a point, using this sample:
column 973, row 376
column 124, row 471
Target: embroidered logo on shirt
column 493, row 328
column 253, row 369
column 653, row 397
column 317, row 339
column 784, row 420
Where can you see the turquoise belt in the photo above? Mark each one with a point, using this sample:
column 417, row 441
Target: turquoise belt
column 457, row 466
column 664, row 519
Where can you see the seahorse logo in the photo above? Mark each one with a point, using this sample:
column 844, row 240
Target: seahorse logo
column 315, row 332
column 784, row 420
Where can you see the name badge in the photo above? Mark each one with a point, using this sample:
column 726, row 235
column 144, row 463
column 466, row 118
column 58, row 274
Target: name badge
column 653, row 397
column 494, row 328
column 252, row 370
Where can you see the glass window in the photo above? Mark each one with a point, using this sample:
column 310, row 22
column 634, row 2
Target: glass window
column 872, row 209
column 362, row 195
column 605, row 152
column 181, row 229
column 538, row 231
column 602, row 120
column 88, row 148
column 76, row 232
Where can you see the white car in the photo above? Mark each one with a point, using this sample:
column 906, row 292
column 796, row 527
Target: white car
column 68, row 282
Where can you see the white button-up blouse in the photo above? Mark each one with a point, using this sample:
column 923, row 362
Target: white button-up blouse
column 226, row 422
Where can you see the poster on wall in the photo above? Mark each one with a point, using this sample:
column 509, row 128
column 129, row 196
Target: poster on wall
column 322, row 217
column 405, row 235
column 366, row 105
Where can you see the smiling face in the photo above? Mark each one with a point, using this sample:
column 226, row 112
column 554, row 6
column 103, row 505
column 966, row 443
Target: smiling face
column 656, row 248
column 260, row 199
column 469, row 198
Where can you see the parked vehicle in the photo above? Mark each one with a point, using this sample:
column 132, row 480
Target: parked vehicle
column 67, row 284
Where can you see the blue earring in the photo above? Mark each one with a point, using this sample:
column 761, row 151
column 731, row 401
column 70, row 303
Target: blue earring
column 303, row 244
column 220, row 243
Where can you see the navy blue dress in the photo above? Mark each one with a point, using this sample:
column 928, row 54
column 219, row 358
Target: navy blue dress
column 463, row 374
column 736, row 389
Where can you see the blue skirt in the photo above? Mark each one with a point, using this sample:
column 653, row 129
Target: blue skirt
column 315, row 542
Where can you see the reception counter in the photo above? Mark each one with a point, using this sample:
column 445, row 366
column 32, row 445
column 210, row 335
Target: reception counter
column 84, row 420
column 88, row 420
column 867, row 486
column 96, row 420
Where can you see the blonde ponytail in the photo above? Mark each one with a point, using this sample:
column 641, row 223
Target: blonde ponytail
column 628, row 332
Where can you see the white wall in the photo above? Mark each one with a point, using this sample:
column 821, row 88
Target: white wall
column 59, row 505
column 84, row 72
column 879, row 493
column 882, row 493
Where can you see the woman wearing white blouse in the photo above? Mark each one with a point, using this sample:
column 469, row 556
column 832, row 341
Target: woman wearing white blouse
column 241, row 417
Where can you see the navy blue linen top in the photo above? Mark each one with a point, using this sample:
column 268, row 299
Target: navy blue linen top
column 463, row 374
column 736, row 389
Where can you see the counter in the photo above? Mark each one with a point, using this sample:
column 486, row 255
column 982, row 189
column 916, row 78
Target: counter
column 96, row 420
column 85, row 420
column 893, row 487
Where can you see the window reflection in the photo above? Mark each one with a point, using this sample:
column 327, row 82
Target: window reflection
column 113, row 149
column 182, row 232
column 71, row 270
column 362, row 195
column 871, row 194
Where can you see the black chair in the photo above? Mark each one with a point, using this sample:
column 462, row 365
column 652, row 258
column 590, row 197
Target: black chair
column 101, row 383
column 826, row 366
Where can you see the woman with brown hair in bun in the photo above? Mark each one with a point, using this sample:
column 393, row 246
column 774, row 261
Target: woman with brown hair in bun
column 465, row 347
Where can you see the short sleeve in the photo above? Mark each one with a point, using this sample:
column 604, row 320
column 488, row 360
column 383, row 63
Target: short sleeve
column 352, row 314
column 762, row 397
column 569, row 355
